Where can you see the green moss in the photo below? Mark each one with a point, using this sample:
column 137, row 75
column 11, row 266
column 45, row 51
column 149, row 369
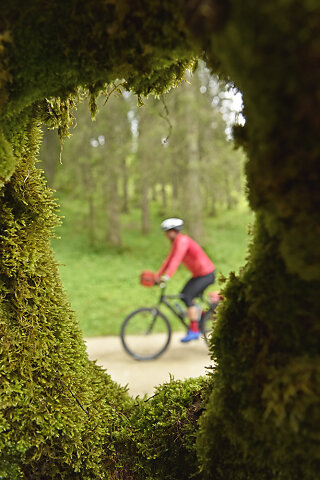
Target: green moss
column 99, row 43
column 7, row 160
column 160, row 441
column 60, row 416
column 264, row 407
column 49, row 392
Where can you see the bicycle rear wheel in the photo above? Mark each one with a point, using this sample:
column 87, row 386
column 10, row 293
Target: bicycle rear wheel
column 206, row 324
column 145, row 334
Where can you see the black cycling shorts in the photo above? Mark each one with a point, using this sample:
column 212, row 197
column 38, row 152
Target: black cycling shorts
column 195, row 287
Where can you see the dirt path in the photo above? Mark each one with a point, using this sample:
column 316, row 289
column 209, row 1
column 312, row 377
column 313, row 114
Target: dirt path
column 180, row 360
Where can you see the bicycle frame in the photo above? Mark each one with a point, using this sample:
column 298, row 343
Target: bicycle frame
column 155, row 315
column 164, row 300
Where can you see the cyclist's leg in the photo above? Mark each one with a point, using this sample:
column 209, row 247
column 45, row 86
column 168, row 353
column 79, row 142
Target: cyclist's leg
column 193, row 288
column 189, row 291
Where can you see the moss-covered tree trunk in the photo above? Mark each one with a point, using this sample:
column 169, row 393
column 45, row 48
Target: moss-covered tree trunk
column 52, row 398
column 262, row 420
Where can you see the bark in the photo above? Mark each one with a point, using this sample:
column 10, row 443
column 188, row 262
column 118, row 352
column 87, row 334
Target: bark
column 145, row 173
column 125, row 192
column 145, row 210
column 213, row 208
column 164, row 200
column 192, row 188
column 89, row 188
column 113, row 205
column 154, row 193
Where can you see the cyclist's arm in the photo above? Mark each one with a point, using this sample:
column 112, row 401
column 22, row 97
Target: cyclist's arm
column 163, row 266
column 179, row 251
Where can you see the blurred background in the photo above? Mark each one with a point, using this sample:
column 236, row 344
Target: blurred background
column 117, row 177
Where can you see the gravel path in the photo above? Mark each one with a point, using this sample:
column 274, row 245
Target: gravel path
column 180, row 361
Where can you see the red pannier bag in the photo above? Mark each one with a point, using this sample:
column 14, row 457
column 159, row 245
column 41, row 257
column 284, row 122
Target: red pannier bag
column 147, row 278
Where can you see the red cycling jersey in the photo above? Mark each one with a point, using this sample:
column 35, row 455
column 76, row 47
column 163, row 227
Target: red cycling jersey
column 187, row 251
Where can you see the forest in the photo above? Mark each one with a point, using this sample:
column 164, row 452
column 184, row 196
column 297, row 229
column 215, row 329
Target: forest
column 119, row 176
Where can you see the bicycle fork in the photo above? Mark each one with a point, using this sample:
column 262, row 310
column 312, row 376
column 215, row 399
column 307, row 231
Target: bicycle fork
column 155, row 313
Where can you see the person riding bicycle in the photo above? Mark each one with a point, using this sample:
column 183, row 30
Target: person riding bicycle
column 185, row 250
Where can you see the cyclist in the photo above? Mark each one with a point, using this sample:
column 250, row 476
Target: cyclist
column 187, row 251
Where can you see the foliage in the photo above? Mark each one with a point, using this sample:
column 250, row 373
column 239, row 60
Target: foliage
column 130, row 156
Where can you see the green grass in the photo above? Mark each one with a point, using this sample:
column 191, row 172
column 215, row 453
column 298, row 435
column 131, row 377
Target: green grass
column 102, row 284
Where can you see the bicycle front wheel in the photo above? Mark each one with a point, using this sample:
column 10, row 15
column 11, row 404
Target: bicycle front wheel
column 145, row 334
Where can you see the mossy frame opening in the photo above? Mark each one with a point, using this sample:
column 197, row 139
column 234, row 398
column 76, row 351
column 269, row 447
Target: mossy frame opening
column 262, row 401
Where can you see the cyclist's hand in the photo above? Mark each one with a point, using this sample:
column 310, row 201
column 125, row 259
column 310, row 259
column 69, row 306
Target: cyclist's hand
column 158, row 279
column 164, row 278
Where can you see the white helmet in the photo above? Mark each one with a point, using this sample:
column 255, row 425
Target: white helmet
column 172, row 224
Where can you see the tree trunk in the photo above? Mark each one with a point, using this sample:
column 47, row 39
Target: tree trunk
column 125, row 193
column 213, row 208
column 89, row 188
column 113, row 209
column 175, row 188
column 164, row 200
column 176, row 180
column 230, row 199
column 154, row 193
column 145, row 170
column 45, row 372
column 192, row 202
column 91, row 219
column 145, row 209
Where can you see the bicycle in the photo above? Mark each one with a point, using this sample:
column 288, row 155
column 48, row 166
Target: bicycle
column 146, row 332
